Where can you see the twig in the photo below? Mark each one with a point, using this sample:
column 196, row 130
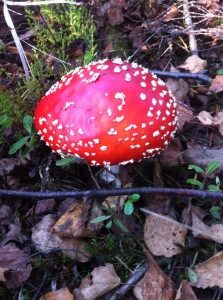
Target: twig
column 137, row 274
column 27, row 3
column 114, row 192
column 178, row 75
column 190, row 28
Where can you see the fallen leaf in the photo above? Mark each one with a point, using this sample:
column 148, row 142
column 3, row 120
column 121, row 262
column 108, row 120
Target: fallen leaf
column 16, row 265
column 164, row 237
column 185, row 292
column 42, row 237
column 155, row 284
column 185, row 114
column 201, row 230
column 179, row 88
column 7, row 165
column 76, row 222
column 217, row 84
column 6, row 215
column 42, row 207
column 170, row 14
column 205, row 118
column 194, row 64
column 61, row 294
column 171, row 155
column 75, row 249
column 102, row 280
column 218, row 121
column 115, row 16
column 209, row 273
column 196, row 155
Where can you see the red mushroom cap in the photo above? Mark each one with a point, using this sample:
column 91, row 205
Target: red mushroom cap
column 109, row 112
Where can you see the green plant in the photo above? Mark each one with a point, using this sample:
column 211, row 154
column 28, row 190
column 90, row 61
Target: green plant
column 112, row 216
column 205, row 172
column 28, row 140
column 59, row 27
column 129, row 204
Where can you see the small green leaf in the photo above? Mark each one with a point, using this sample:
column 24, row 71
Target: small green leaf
column 3, row 119
column 128, row 208
column 18, row 145
column 192, row 275
column 28, row 123
column 100, row 219
column 213, row 166
column 213, row 188
column 65, row 161
column 134, row 197
column 196, row 168
column 220, row 72
column 109, row 224
column 215, row 212
column 195, row 182
column 120, row 225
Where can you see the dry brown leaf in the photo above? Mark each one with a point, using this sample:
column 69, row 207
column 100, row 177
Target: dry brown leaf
column 155, row 284
column 194, row 64
column 7, row 165
column 164, row 237
column 170, row 14
column 61, row 294
column 209, row 273
column 218, row 121
column 76, row 248
column 16, row 264
column 102, row 280
column 206, row 119
column 76, row 222
column 179, row 88
column 42, row 207
column 2, row 273
column 112, row 201
column 217, row 84
column 42, row 236
column 6, row 215
column 201, row 230
column 185, row 292
column 185, row 114
column 115, row 16
column 171, row 155
column 196, row 155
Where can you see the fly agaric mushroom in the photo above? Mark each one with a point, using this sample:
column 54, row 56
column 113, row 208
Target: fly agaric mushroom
column 108, row 112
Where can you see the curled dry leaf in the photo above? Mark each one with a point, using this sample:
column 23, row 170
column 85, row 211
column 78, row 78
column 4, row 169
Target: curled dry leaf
column 102, row 280
column 185, row 292
column 42, row 237
column 155, row 284
column 194, row 64
column 217, row 84
column 164, row 237
column 209, row 273
column 15, row 265
column 61, row 294
column 207, row 119
column 76, row 222
column 201, row 230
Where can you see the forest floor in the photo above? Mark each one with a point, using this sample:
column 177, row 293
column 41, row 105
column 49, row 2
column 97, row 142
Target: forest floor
column 161, row 245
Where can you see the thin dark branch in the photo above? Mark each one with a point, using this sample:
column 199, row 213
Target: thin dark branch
column 114, row 192
column 178, row 75
column 137, row 274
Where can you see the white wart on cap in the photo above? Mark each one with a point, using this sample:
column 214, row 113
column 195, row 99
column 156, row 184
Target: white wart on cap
column 109, row 112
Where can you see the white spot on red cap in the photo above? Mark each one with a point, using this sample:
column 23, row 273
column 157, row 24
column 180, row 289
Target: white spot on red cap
column 119, row 119
column 143, row 96
column 156, row 133
column 80, row 131
column 103, row 148
column 128, row 77
column 132, row 126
